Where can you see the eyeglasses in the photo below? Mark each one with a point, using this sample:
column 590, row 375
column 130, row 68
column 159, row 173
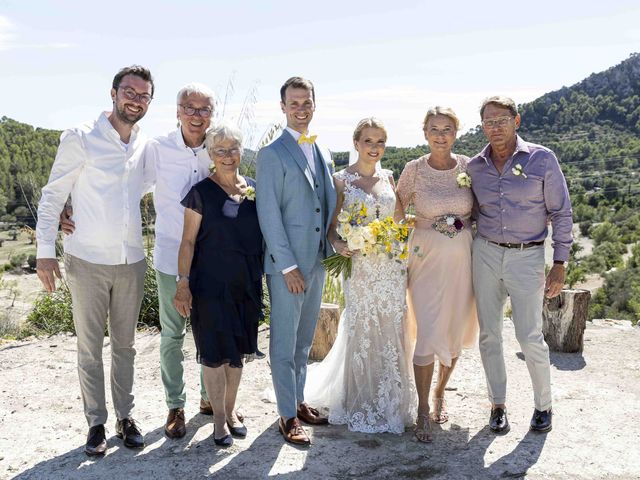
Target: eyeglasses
column 131, row 94
column 445, row 131
column 203, row 112
column 496, row 122
column 223, row 152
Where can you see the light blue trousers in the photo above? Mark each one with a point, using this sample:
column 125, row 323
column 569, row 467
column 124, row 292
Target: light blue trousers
column 498, row 272
column 292, row 324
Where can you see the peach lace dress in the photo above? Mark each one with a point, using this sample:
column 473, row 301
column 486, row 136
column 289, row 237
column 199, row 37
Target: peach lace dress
column 440, row 297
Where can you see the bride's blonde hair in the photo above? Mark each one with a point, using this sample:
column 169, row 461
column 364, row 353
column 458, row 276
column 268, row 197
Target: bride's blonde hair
column 369, row 122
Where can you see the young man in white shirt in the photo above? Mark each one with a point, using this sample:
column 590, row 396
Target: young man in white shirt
column 99, row 164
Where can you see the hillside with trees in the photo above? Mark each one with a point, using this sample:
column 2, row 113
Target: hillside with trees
column 593, row 126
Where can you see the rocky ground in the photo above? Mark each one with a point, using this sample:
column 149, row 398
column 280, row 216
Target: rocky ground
column 595, row 436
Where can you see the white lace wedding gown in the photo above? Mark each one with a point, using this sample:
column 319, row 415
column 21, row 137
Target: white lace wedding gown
column 365, row 380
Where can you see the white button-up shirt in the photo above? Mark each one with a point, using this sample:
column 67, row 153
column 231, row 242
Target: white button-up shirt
column 105, row 180
column 174, row 168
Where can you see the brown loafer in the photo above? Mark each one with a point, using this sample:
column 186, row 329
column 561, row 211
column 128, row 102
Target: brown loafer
column 175, row 427
column 293, row 432
column 311, row 415
column 205, row 407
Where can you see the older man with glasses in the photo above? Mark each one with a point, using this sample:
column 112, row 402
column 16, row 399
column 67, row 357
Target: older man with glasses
column 175, row 163
column 518, row 187
column 100, row 165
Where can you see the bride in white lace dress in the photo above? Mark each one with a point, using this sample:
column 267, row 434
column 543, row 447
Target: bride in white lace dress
column 366, row 380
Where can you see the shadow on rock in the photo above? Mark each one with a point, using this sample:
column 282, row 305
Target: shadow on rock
column 122, row 462
column 515, row 464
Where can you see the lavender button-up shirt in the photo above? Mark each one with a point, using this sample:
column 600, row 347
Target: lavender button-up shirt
column 514, row 208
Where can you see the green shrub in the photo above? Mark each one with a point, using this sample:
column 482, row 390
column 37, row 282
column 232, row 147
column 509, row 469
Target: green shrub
column 51, row 313
column 17, row 260
column 150, row 308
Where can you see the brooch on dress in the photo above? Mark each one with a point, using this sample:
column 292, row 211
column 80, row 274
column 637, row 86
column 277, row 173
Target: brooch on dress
column 449, row 225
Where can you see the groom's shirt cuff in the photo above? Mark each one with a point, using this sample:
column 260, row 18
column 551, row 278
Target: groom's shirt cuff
column 289, row 269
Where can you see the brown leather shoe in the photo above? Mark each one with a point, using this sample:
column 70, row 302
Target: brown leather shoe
column 293, row 432
column 311, row 415
column 205, row 407
column 175, row 428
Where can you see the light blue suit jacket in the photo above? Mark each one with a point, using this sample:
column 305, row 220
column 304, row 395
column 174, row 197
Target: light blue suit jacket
column 289, row 209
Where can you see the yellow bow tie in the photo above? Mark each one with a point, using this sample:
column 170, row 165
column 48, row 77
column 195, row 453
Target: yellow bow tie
column 307, row 139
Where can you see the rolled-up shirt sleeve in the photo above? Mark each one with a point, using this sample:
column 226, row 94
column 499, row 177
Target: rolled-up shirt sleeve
column 558, row 204
column 66, row 168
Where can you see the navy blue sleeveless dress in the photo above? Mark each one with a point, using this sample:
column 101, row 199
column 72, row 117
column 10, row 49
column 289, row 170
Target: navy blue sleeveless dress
column 226, row 275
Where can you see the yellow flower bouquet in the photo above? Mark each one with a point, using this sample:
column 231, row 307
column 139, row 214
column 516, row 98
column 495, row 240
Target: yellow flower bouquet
column 383, row 237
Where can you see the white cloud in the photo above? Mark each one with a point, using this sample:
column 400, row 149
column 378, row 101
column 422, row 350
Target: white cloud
column 9, row 39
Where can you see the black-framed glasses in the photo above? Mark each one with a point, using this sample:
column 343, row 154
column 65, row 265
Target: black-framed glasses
column 223, row 152
column 202, row 112
column 497, row 122
column 131, row 94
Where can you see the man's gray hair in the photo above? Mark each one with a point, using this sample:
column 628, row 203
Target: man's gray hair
column 220, row 133
column 200, row 88
column 500, row 101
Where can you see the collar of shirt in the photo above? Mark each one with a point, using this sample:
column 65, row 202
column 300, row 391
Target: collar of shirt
column 306, row 148
column 104, row 125
column 180, row 141
column 521, row 146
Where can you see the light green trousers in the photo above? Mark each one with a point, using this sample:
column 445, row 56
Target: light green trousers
column 174, row 327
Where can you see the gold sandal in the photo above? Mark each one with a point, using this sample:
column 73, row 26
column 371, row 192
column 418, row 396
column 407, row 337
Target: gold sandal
column 423, row 431
column 440, row 414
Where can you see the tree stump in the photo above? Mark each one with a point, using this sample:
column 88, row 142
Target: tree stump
column 326, row 331
column 564, row 319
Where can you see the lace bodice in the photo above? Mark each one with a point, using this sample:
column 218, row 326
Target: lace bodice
column 434, row 192
column 381, row 205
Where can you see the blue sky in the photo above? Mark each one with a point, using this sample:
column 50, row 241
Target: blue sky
column 389, row 59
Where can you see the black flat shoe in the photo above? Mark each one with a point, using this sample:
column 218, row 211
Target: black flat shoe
column 240, row 432
column 498, row 422
column 96, row 441
column 225, row 441
column 541, row 421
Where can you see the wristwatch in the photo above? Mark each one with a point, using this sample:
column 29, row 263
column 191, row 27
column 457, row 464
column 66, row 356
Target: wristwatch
column 182, row 277
column 559, row 262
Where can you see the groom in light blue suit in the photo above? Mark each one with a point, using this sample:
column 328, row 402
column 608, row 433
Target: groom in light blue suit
column 295, row 201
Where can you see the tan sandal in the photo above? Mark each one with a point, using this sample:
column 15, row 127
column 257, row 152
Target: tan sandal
column 440, row 414
column 423, row 430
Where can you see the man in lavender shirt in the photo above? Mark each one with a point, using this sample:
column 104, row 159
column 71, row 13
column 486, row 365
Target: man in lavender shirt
column 518, row 187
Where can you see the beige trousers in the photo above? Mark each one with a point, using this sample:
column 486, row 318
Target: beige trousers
column 498, row 272
column 98, row 292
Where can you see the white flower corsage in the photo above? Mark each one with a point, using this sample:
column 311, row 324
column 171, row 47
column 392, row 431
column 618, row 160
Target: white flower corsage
column 464, row 180
column 518, row 171
column 250, row 194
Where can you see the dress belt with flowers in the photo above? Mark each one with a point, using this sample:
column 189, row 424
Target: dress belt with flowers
column 449, row 224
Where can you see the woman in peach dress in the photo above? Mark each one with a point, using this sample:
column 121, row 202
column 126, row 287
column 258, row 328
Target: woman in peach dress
column 440, row 291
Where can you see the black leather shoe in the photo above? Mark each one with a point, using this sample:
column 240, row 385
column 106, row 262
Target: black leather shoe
column 130, row 433
column 240, row 432
column 96, row 441
column 225, row 441
column 541, row 420
column 498, row 422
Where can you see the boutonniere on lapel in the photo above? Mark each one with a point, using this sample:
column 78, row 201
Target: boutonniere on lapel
column 249, row 194
column 518, row 171
column 464, row 180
